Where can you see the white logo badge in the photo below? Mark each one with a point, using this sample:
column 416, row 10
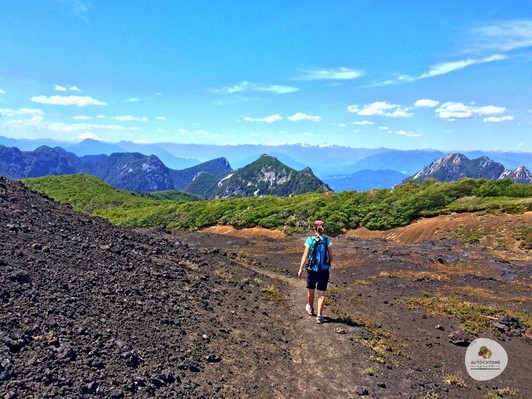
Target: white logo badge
column 485, row 359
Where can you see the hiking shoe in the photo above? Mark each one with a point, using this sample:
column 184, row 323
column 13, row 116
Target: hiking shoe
column 319, row 319
column 309, row 309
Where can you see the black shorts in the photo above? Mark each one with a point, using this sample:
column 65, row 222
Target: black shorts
column 321, row 279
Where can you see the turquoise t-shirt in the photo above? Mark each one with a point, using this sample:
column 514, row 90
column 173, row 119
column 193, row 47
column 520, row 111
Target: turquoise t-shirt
column 322, row 258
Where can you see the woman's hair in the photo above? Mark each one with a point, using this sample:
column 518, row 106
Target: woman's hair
column 318, row 227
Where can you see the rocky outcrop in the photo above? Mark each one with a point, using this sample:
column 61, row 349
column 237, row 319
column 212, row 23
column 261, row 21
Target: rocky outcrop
column 456, row 166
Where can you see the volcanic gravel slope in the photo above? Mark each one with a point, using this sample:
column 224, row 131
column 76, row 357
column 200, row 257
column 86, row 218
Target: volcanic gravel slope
column 91, row 310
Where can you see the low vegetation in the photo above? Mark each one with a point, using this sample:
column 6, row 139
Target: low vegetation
column 374, row 209
column 474, row 316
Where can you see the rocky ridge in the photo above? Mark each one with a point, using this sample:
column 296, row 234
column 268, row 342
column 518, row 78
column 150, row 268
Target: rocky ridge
column 455, row 166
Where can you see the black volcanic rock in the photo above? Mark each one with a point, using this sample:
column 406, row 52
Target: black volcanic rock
column 92, row 310
column 456, row 166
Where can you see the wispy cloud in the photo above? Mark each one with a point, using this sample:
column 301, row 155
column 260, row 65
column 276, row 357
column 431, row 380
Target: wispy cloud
column 66, row 88
column 78, row 8
column 267, row 119
column 332, row 74
column 380, row 108
column 82, row 118
column 130, row 118
column 34, row 114
column 456, row 110
column 505, row 36
column 3, row 91
column 304, row 117
column 80, row 101
column 160, row 118
column 406, row 133
column 365, row 122
column 498, row 119
column 426, row 103
column 443, row 69
column 253, row 87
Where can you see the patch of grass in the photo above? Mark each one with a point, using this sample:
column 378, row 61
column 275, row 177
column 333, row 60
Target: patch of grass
column 377, row 359
column 223, row 274
column 488, row 295
column 272, row 294
column 432, row 276
column 362, row 282
column 501, row 393
column 370, row 371
column 473, row 316
column 454, row 379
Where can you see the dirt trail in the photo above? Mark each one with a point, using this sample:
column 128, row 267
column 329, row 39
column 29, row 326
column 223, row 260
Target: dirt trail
column 318, row 351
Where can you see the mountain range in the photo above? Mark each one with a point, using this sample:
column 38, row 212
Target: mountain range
column 141, row 173
column 341, row 168
column 181, row 166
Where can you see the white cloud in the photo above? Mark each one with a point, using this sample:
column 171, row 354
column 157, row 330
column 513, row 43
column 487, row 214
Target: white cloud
column 80, row 101
column 426, row 103
column 443, row 69
column 82, row 117
column 130, row 118
column 497, row 119
column 505, row 36
column 381, row 108
column 267, row 119
column 407, row 134
column 333, row 74
column 65, row 88
column 301, row 117
column 3, row 91
column 160, row 118
column 447, row 67
column 253, row 87
column 365, row 122
column 383, row 128
column 454, row 110
column 34, row 114
column 133, row 100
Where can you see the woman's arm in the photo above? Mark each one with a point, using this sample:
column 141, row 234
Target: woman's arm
column 303, row 261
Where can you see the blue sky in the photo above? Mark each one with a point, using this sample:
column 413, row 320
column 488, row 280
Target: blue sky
column 448, row 75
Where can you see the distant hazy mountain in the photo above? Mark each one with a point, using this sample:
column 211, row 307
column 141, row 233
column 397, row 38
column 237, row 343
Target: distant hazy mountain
column 268, row 176
column 217, row 168
column 365, row 180
column 453, row 167
column 407, row 162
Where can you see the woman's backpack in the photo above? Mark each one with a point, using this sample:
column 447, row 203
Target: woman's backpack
column 318, row 258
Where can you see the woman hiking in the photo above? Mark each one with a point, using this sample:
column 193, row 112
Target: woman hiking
column 317, row 259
